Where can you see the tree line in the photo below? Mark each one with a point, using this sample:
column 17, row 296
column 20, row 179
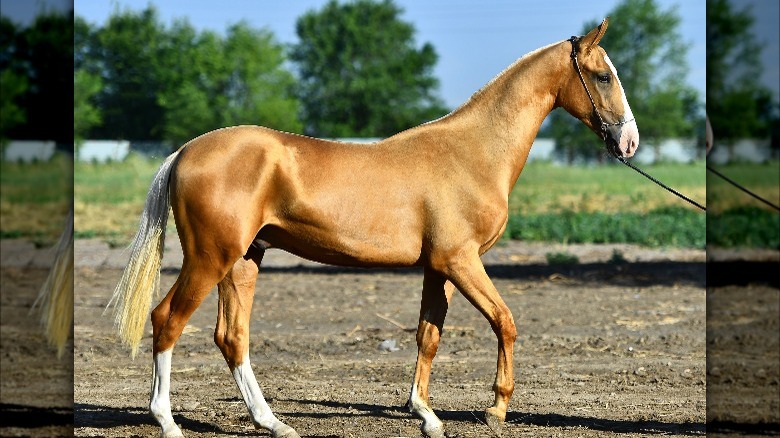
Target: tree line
column 144, row 80
column 36, row 70
column 738, row 105
column 356, row 71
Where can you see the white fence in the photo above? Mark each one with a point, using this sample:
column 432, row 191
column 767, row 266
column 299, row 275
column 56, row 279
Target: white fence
column 27, row 151
column 753, row 151
column 101, row 151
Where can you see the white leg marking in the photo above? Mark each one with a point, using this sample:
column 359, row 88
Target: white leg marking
column 160, row 403
column 258, row 408
column 431, row 426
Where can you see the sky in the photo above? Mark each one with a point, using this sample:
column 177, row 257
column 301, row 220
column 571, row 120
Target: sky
column 474, row 40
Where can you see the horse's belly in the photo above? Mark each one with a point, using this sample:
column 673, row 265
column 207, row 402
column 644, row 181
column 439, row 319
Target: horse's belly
column 393, row 244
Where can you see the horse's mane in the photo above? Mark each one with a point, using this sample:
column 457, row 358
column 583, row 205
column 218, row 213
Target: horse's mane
column 479, row 93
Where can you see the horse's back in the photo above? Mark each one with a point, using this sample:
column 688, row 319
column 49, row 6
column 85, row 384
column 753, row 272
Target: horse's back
column 329, row 201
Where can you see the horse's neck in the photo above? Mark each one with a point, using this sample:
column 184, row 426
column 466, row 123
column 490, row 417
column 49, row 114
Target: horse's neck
column 503, row 118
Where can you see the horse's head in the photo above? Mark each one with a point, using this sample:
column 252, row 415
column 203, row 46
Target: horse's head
column 592, row 93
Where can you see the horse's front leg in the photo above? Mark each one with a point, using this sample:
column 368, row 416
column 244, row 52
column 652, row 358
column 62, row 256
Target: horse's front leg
column 469, row 276
column 436, row 296
column 236, row 293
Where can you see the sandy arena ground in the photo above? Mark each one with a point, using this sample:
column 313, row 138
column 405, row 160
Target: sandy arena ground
column 604, row 349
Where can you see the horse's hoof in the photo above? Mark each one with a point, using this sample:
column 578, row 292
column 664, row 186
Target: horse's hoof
column 287, row 432
column 432, row 432
column 494, row 421
column 173, row 432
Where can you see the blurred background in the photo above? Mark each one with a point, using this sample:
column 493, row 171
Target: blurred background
column 150, row 76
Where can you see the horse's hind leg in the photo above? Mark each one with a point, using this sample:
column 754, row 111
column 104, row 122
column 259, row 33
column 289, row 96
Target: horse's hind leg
column 168, row 320
column 436, row 296
column 236, row 293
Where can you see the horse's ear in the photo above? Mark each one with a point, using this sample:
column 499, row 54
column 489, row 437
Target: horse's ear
column 593, row 37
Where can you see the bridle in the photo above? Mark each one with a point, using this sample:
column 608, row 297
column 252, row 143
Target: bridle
column 604, row 125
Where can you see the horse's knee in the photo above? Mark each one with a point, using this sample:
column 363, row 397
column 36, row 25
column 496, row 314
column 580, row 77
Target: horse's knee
column 504, row 327
column 509, row 331
column 159, row 316
column 428, row 337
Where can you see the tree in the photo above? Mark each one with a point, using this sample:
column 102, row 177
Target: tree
column 361, row 73
column 12, row 84
column 125, row 53
column 644, row 45
column 238, row 79
column 37, row 65
column 738, row 106
column 85, row 113
column 180, row 82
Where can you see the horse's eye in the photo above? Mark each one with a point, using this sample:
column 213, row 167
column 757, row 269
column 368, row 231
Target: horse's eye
column 604, row 78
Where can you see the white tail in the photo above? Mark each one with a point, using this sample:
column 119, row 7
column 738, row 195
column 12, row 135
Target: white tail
column 141, row 278
column 56, row 295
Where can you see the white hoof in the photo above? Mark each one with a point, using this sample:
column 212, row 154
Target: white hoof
column 171, row 432
column 286, row 432
column 432, row 431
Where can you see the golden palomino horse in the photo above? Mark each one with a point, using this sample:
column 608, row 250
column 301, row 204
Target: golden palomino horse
column 434, row 196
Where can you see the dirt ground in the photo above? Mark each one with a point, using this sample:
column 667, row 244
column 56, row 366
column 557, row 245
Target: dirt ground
column 604, row 349
column 743, row 360
column 36, row 389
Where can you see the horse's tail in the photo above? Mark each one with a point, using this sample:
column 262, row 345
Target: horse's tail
column 56, row 295
column 133, row 295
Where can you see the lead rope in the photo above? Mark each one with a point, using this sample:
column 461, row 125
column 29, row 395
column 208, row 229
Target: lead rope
column 730, row 181
column 650, row 177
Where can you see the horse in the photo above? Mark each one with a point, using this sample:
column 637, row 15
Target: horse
column 434, row 196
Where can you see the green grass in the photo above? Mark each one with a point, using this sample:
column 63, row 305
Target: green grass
column 550, row 203
column 561, row 258
column 109, row 198
column 114, row 183
column 744, row 227
column 38, row 182
column 762, row 179
column 734, row 218
column 35, row 198
column 667, row 226
column 547, row 188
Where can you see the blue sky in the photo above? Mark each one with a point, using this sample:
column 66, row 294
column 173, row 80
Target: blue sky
column 474, row 40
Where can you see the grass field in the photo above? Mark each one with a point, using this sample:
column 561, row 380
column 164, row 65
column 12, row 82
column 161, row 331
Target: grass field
column 762, row 179
column 735, row 218
column 109, row 199
column 547, row 188
column 35, row 198
column 570, row 204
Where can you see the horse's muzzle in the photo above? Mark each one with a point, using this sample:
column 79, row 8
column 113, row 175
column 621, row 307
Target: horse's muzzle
column 622, row 140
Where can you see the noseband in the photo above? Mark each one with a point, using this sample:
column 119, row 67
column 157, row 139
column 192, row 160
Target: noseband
column 604, row 125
